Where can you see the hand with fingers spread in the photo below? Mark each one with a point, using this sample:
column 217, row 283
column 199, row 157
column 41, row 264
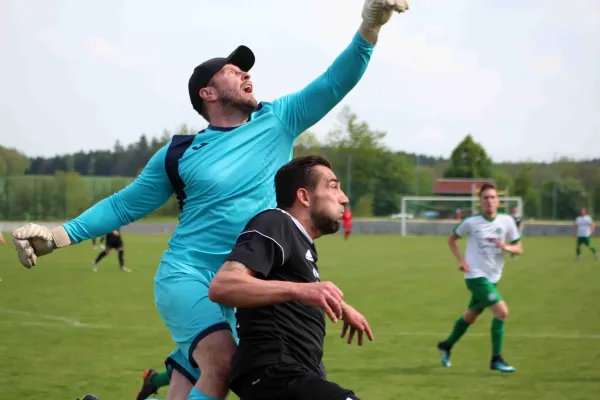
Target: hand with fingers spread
column 357, row 323
column 324, row 295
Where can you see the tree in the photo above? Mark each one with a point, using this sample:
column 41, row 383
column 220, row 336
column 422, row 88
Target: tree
column 364, row 206
column 524, row 186
column 469, row 160
column 596, row 196
column 424, row 180
column 524, row 180
column 503, row 180
column 395, row 177
column 570, row 198
column 16, row 162
column 307, row 144
column 3, row 168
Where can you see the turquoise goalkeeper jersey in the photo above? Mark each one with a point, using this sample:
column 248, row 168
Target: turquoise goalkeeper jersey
column 223, row 176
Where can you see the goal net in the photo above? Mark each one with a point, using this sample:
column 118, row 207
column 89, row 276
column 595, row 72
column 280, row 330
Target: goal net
column 448, row 209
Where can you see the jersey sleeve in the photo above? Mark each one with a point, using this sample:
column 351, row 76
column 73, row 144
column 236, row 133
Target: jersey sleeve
column 463, row 228
column 512, row 232
column 299, row 111
column 150, row 190
column 264, row 244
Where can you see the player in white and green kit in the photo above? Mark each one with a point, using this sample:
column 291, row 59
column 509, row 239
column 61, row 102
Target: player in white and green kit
column 584, row 230
column 487, row 236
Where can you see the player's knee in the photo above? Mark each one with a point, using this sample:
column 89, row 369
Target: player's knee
column 470, row 316
column 213, row 355
column 501, row 311
column 502, row 315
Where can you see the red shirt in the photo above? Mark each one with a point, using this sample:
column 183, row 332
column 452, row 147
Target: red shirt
column 347, row 217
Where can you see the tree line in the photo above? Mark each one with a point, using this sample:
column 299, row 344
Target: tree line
column 374, row 176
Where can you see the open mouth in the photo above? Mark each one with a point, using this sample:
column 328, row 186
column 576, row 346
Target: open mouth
column 247, row 89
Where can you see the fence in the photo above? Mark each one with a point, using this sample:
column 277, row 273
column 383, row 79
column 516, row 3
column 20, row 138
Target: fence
column 59, row 197
column 63, row 196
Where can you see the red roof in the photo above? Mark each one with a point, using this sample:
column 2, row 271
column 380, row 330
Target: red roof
column 458, row 186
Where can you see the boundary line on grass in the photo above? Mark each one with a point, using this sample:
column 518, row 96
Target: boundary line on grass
column 65, row 322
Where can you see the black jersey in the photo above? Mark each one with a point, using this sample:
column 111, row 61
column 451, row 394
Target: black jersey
column 278, row 248
column 114, row 241
column 517, row 219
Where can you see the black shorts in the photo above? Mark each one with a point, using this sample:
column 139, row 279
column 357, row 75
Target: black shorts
column 114, row 242
column 288, row 382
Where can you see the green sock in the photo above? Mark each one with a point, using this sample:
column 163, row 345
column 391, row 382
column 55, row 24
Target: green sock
column 460, row 327
column 161, row 379
column 497, row 336
column 578, row 251
column 593, row 249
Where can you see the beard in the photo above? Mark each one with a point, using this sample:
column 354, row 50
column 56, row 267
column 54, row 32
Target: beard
column 237, row 102
column 324, row 223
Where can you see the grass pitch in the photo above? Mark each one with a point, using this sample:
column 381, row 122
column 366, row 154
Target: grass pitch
column 66, row 331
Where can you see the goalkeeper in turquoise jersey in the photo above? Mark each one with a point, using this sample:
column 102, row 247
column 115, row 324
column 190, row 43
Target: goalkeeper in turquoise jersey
column 222, row 177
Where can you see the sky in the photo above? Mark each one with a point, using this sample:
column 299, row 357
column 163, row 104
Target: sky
column 522, row 77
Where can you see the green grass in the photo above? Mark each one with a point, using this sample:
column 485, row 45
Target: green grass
column 408, row 288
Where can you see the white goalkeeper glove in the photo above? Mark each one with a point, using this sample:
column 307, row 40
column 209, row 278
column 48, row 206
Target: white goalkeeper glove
column 377, row 13
column 33, row 241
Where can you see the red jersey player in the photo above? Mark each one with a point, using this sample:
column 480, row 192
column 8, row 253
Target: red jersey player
column 347, row 222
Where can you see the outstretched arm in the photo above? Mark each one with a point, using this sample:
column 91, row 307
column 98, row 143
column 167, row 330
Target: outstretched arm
column 146, row 193
column 301, row 110
column 150, row 190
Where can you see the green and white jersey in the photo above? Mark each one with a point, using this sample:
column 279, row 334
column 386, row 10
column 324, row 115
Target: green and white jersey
column 584, row 226
column 484, row 257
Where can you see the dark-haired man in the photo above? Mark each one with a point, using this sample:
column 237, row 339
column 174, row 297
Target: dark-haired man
column 272, row 277
column 487, row 235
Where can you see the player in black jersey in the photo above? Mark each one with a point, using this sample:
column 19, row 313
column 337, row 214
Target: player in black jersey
column 113, row 240
column 516, row 215
column 271, row 276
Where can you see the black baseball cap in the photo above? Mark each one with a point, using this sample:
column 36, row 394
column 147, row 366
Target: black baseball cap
column 242, row 57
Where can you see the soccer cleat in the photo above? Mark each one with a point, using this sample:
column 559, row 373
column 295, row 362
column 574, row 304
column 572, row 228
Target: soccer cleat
column 147, row 387
column 125, row 269
column 499, row 364
column 89, row 397
column 445, row 351
column 94, row 267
